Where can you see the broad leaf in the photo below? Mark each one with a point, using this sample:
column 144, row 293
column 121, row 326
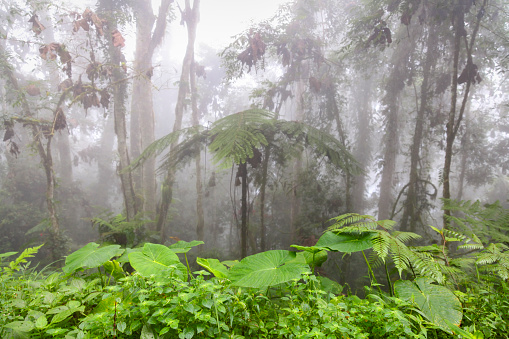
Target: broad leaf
column 90, row 256
column 213, row 266
column 267, row 269
column 329, row 285
column 311, row 255
column 184, row 246
column 436, row 302
column 346, row 242
column 155, row 259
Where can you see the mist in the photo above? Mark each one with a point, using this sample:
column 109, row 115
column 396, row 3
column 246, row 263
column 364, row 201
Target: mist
column 134, row 122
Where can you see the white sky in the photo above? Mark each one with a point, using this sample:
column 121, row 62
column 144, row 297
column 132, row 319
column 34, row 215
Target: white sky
column 220, row 20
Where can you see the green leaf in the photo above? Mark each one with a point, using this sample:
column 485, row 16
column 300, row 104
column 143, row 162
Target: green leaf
column 90, row 256
column 266, row 269
column 7, row 254
column 329, row 285
column 21, row 326
column 213, row 266
column 113, row 268
column 184, row 246
column 41, row 322
column 346, row 242
column 156, row 260
column 146, row 332
column 436, row 302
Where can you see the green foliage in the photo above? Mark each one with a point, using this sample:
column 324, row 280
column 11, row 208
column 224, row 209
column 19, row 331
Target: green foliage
column 90, row 256
column 436, row 302
column 268, row 268
column 16, row 265
column 156, row 260
column 117, row 229
column 266, row 295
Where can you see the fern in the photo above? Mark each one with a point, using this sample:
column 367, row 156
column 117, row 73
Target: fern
column 16, row 265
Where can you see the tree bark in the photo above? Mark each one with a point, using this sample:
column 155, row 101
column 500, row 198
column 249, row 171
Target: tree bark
column 411, row 214
column 454, row 123
column 191, row 18
column 142, row 111
column 243, row 227
column 395, row 84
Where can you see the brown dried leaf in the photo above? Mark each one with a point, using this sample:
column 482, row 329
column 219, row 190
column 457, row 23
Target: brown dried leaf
column 315, row 85
column 37, row 27
column 78, row 89
column 64, row 55
column 118, row 39
column 105, row 98
column 48, row 51
column 92, row 70
column 33, row 90
column 14, row 149
column 67, row 83
column 98, row 23
column 9, row 131
column 82, row 23
column 60, row 121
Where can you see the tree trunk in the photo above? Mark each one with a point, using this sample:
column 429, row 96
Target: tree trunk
column 395, row 84
column 200, row 223
column 191, row 18
column 142, row 111
column 363, row 147
column 44, row 154
column 119, row 83
column 411, row 214
column 243, row 227
column 454, row 123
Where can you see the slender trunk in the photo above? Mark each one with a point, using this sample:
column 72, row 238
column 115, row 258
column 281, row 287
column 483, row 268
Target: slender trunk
column 297, row 165
column 411, row 214
column 200, row 224
column 454, row 123
column 119, row 115
column 243, row 227
column 44, row 153
column 191, row 17
column 142, row 111
column 363, row 148
column 395, row 84
column 265, row 165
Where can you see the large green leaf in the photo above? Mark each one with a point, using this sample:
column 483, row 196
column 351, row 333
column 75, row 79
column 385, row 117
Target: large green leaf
column 184, row 246
column 436, row 302
column 90, row 256
column 214, row 266
column 267, row 269
column 156, row 260
column 312, row 255
column 346, row 242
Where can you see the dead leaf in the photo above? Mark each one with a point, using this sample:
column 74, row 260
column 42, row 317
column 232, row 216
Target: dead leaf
column 105, row 98
column 98, row 23
column 9, row 131
column 48, row 51
column 33, row 90
column 118, row 39
column 37, row 27
column 64, row 85
column 60, row 121
column 14, row 149
column 82, row 23
column 315, row 85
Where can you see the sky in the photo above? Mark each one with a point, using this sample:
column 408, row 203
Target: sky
column 220, row 20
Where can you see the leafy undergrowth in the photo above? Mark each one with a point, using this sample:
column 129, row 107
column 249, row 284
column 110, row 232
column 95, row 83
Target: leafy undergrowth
column 273, row 294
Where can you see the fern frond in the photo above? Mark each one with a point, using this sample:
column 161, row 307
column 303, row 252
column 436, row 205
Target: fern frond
column 161, row 145
column 406, row 236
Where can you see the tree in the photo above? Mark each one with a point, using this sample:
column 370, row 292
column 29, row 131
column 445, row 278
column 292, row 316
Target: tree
column 236, row 140
column 148, row 37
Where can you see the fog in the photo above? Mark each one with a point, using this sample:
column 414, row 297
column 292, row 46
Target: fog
column 247, row 125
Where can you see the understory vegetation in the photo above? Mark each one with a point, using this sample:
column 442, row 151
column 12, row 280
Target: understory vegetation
column 456, row 288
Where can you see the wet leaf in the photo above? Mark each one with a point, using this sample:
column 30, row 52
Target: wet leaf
column 105, row 98
column 33, row 90
column 118, row 39
column 64, row 85
column 60, row 121
column 37, row 27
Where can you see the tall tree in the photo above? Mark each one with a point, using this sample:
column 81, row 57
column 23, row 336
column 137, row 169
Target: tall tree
column 142, row 134
column 190, row 17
